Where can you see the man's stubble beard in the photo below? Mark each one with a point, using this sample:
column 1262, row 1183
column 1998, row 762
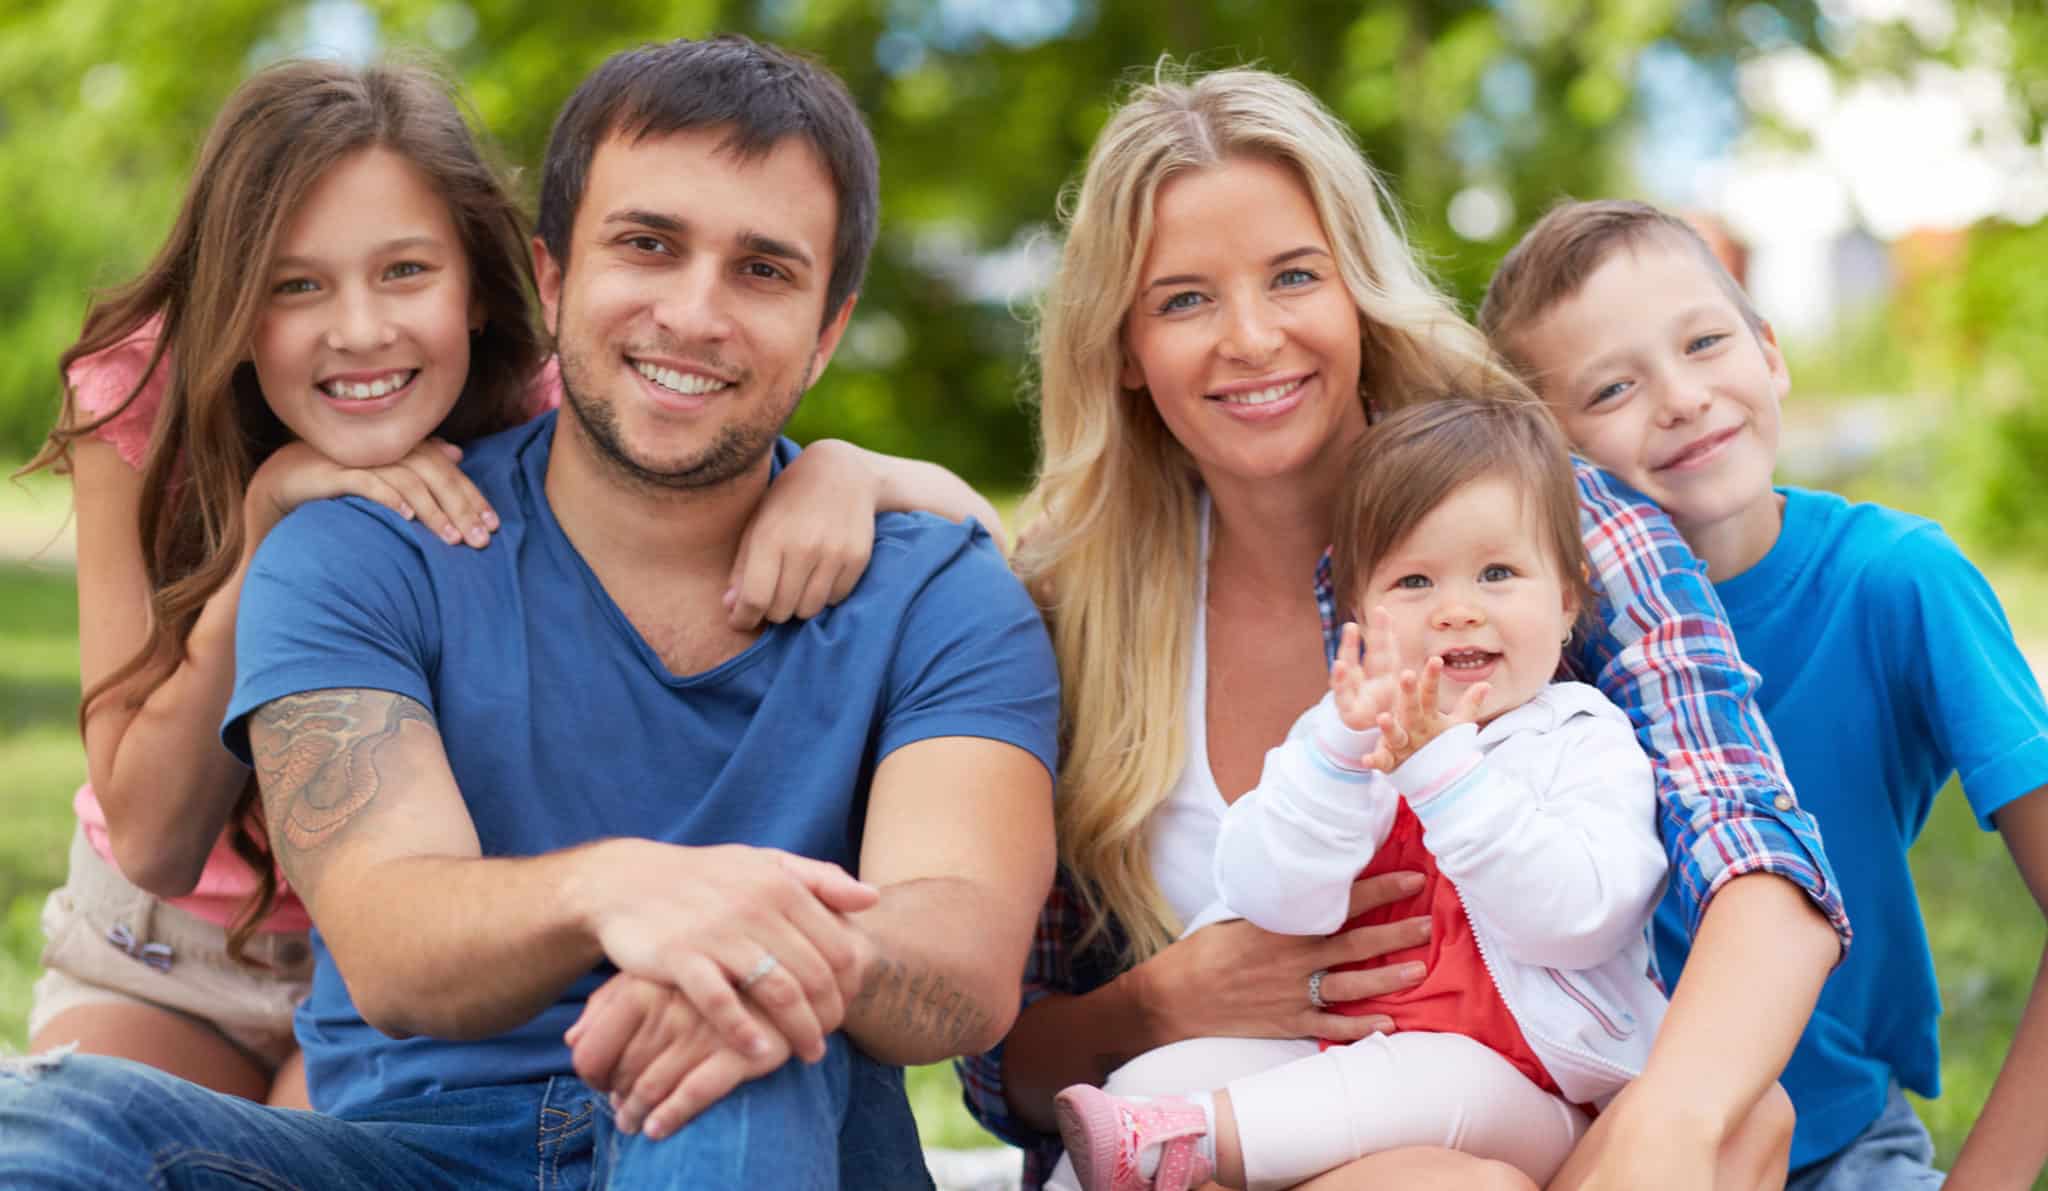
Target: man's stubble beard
column 736, row 450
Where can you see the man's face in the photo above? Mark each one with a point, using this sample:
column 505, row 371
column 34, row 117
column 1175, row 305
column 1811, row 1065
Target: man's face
column 688, row 314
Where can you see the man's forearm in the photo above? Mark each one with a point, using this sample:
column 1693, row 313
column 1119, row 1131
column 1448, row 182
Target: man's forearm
column 430, row 937
column 937, row 984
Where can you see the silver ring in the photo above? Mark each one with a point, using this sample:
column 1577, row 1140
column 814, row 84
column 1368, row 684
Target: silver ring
column 768, row 964
column 1315, row 989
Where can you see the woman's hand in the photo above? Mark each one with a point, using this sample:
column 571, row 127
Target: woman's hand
column 809, row 542
column 1233, row 979
column 425, row 486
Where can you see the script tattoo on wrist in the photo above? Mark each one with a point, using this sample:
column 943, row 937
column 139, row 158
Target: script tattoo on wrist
column 321, row 759
column 922, row 1004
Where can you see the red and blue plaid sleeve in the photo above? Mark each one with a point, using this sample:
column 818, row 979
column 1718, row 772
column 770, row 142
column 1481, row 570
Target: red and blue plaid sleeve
column 1668, row 658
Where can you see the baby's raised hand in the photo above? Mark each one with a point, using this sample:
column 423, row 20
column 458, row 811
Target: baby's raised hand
column 1416, row 716
column 1361, row 680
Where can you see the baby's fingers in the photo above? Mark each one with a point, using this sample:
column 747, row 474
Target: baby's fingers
column 1475, row 698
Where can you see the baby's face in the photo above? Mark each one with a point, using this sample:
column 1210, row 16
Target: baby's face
column 1658, row 378
column 1474, row 585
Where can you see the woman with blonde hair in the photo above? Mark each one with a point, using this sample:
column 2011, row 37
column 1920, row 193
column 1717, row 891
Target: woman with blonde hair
column 1234, row 300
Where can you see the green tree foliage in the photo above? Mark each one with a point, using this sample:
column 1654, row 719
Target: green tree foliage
column 982, row 108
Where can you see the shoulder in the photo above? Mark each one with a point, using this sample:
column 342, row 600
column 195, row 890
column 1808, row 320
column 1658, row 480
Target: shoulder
column 1576, row 705
column 100, row 384
column 1892, row 558
column 924, row 554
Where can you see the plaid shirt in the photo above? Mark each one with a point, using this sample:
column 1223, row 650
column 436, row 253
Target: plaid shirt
column 1662, row 650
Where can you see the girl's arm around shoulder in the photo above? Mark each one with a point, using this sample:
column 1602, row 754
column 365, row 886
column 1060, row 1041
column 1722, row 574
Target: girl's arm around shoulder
column 1290, row 847
column 1551, row 832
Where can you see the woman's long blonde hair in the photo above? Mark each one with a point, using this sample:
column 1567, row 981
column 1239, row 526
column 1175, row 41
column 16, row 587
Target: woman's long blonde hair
column 1115, row 538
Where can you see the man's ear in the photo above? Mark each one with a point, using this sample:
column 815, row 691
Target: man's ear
column 547, row 278
column 828, row 340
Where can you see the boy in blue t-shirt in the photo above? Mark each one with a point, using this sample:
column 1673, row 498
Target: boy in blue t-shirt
column 1887, row 663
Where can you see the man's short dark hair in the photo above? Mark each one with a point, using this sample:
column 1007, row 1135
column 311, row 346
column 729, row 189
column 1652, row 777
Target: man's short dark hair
column 759, row 93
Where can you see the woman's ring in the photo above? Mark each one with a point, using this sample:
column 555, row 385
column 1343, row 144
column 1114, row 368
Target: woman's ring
column 1315, row 988
column 768, row 964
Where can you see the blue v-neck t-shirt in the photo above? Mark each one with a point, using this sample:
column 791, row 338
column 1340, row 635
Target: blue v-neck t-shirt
column 563, row 726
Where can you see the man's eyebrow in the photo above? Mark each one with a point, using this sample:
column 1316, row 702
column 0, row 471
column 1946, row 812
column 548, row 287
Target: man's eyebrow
column 653, row 220
column 765, row 245
column 1280, row 259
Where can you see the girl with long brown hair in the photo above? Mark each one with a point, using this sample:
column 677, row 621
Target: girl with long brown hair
column 344, row 297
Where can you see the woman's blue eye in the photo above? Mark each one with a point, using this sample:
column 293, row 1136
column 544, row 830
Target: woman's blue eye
column 1184, row 300
column 1412, row 582
column 295, row 285
column 1295, row 277
column 1496, row 573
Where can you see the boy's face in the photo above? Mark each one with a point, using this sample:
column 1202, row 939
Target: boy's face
column 1657, row 377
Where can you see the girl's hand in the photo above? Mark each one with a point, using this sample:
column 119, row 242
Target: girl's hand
column 809, row 542
column 1233, row 979
column 1417, row 718
column 425, row 486
column 1362, row 680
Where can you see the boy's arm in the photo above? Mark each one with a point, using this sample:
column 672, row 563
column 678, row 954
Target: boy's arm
column 1290, row 848
column 2007, row 1147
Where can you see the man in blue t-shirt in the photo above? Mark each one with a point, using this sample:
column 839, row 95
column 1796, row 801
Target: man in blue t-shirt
column 1887, row 665
column 552, row 816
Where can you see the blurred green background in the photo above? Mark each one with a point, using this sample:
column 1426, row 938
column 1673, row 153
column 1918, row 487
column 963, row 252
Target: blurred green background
column 1916, row 334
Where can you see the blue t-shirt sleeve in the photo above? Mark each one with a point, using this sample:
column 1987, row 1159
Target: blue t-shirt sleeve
column 973, row 659
column 337, row 597
column 1982, row 704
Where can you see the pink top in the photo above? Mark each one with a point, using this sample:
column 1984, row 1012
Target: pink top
column 100, row 382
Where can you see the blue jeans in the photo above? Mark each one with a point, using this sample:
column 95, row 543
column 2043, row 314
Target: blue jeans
column 90, row 1122
column 1893, row 1154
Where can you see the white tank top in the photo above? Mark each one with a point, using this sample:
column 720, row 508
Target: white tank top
column 1181, row 835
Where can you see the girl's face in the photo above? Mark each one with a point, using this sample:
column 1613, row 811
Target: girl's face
column 1242, row 330
column 1473, row 583
column 362, row 346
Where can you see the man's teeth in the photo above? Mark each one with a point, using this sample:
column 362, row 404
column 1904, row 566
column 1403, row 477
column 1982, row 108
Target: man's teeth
column 689, row 384
column 1265, row 396
column 370, row 391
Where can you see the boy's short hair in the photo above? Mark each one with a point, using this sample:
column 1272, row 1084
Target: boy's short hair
column 758, row 93
column 1408, row 462
column 1566, row 246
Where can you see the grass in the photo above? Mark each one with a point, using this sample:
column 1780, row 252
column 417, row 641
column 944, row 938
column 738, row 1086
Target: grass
column 1987, row 933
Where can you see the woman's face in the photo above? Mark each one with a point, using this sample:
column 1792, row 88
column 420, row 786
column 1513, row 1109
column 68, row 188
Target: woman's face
column 1242, row 331
column 362, row 346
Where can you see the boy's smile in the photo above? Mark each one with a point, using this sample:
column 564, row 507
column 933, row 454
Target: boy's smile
column 1657, row 377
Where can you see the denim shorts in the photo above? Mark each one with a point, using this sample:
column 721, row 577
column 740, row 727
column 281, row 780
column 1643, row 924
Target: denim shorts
column 1893, row 1154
